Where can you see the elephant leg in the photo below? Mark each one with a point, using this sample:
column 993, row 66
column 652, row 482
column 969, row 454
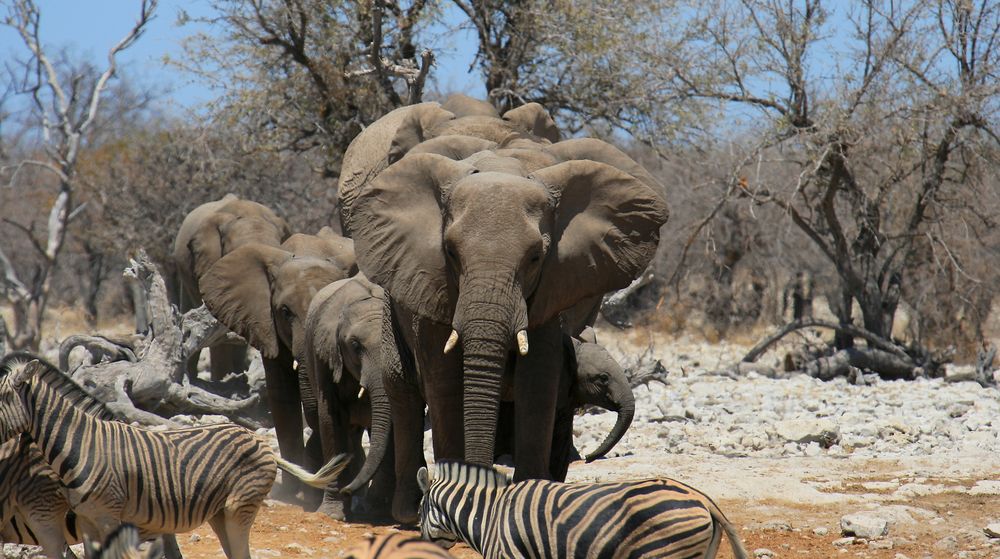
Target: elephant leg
column 379, row 496
column 228, row 358
column 536, row 390
column 407, row 408
column 562, row 445
column 286, row 412
column 441, row 377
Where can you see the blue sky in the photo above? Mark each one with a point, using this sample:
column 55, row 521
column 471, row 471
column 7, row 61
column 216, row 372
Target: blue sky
column 89, row 28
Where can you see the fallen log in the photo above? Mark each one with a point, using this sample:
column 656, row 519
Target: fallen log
column 887, row 365
column 873, row 340
column 154, row 385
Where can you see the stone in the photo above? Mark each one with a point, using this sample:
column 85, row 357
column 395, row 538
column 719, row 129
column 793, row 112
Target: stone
column 880, row 544
column 763, row 553
column 986, row 487
column 947, row 543
column 992, row 530
column 195, row 538
column 864, row 525
column 822, row 431
column 840, row 542
column 821, row 531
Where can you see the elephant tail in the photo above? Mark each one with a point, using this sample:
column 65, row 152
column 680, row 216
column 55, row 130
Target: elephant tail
column 321, row 479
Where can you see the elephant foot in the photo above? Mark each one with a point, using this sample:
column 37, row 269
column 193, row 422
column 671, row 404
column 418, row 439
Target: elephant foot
column 335, row 508
column 405, row 508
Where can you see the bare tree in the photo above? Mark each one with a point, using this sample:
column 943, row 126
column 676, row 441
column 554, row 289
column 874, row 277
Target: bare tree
column 304, row 76
column 65, row 114
column 883, row 151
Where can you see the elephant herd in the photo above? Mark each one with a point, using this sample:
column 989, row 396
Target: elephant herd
column 477, row 250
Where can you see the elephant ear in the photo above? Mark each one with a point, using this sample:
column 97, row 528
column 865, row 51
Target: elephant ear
column 605, row 231
column 205, row 246
column 322, row 324
column 416, row 128
column 602, row 152
column 237, row 290
column 454, row 146
column 397, row 228
column 534, row 119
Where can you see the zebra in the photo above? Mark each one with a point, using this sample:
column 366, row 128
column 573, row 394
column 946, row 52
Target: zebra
column 397, row 546
column 546, row 519
column 162, row 481
column 123, row 543
column 34, row 507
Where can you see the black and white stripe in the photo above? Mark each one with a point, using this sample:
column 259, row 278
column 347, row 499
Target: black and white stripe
column 397, row 546
column 162, row 481
column 545, row 519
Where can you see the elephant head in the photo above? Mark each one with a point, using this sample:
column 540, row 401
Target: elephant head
column 263, row 294
column 346, row 364
column 233, row 224
column 495, row 254
column 325, row 244
column 601, row 381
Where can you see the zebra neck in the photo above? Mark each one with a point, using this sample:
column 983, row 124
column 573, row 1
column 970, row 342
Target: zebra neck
column 476, row 513
column 55, row 423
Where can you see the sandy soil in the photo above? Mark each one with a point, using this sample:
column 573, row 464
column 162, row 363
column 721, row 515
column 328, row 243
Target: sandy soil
column 791, row 506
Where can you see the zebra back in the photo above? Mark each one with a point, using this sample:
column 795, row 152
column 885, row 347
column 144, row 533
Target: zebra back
column 60, row 382
column 538, row 518
column 397, row 546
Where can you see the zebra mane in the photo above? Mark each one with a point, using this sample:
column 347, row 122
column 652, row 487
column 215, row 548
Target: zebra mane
column 454, row 471
column 58, row 381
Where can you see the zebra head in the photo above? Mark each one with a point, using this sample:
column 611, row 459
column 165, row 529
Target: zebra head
column 14, row 418
column 434, row 525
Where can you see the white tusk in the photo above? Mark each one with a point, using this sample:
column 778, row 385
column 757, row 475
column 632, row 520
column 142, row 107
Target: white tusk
column 361, row 392
column 452, row 340
column 522, row 342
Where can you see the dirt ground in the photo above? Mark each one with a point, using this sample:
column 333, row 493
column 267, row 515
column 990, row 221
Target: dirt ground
column 790, row 506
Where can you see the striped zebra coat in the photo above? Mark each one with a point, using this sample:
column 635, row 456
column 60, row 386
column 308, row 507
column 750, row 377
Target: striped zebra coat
column 123, row 543
column 500, row 519
column 397, row 546
column 162, row 481
column 34, row 506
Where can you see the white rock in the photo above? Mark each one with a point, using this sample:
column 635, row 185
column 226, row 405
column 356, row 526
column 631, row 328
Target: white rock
column 821, row 531
column 992, row 530
column 986, row 487
column 840, row 542
column 822, row 431
column 864, row 525
column 763, row 552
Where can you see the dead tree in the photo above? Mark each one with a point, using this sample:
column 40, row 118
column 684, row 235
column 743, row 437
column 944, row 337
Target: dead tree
column 66, row 116
column 154, row 385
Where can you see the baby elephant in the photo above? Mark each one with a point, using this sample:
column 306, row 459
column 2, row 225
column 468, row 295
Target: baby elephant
column 594, row 378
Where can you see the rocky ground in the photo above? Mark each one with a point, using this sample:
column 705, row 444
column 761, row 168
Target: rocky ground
column 805, row 468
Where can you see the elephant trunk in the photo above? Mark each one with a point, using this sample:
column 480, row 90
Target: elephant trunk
column 380, row 434
column 625, row 406
column 485, row 344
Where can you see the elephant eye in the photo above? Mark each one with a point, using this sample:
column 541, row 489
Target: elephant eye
column 604, row 377
column 355, row 344
column 287, row 312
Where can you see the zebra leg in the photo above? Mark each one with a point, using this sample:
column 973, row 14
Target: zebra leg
column 238, row 532
column 218, row 524
column 170, row 548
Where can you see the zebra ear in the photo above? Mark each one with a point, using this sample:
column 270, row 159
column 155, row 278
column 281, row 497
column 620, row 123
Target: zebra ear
column 423, row 479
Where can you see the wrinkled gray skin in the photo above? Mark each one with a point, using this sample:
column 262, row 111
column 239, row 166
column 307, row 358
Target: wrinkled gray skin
column 263, row 293
column 208, row 233
column 594, row 378
column 343, row 347
column 505, row 240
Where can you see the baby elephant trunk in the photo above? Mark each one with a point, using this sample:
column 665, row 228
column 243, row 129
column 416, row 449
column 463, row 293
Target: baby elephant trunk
column 624, row 403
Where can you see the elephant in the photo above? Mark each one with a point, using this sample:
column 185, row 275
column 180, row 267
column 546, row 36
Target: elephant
column 263, row 293
column 208, row 233
column 349, row 370
column 483, row 256
column 595, row 379
column 389, row 138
